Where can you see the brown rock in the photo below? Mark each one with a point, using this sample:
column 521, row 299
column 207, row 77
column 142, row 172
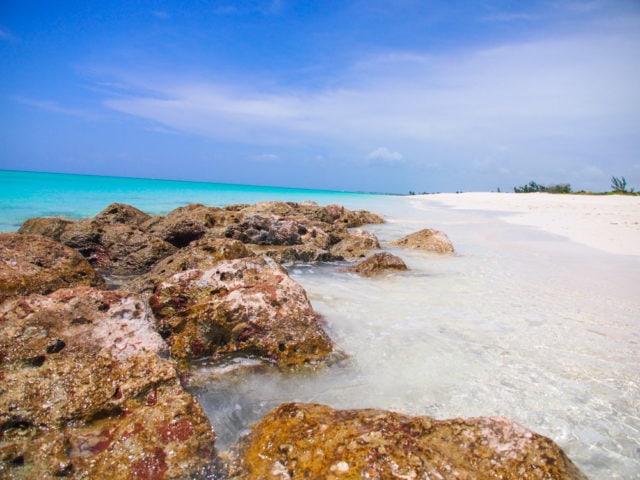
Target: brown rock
column 292, row 254
column 115, row 248
column 356, row 243
column 183, row 225
column 36, row 264
column 51, row 227
column 122, row 213
column 427, row 239
column 377, row 264
column 245, row 306
column 314, row 441
column 85, row 392
column 202, row 254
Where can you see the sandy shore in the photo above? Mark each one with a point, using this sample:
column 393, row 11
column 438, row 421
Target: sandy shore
column 610, row 223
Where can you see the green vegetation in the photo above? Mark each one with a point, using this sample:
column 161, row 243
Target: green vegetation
column 535, row 187
column 619, row 185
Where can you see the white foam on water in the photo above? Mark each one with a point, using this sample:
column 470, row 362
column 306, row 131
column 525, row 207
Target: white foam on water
column 518, row 323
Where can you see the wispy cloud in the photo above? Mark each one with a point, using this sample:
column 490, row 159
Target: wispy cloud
column 55, row 107
column 527, row 101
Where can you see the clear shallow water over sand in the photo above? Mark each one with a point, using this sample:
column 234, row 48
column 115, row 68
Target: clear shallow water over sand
column 518, row 323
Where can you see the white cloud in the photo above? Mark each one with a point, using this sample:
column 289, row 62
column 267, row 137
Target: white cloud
column 55, row 107
column 267, row 157
column 527, row 102
column 385, row 155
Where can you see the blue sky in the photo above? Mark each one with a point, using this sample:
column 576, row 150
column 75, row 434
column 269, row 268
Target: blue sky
column 386, row 96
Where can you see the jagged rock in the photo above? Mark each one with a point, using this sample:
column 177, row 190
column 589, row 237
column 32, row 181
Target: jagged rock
column 122, row 213
column 183, row 225
column 36, row 264
column 376, row 264
column 267, row 230
column 356, row 243
column 427, row 239
column 51, row 227
column 202, row 254
column 352, row 218
column 247, row 306
column 314, row 441
column 115, row 248
column 291, row 254
column 86, row 393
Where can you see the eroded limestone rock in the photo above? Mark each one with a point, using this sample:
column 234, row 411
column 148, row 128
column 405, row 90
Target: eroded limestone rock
column 247, row 306
column 36, row 264
column 298, row 441
column 428, row 239
column 86, row 393
column 356, row 243
column 183, row 225
column 376, row 264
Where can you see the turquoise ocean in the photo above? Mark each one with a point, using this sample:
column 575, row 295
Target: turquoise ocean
column 34, row 194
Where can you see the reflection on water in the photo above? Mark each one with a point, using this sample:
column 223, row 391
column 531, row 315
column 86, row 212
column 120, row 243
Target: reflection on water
column 518, row 323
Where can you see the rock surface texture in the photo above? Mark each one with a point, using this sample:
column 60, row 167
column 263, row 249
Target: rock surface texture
column 377, row 264
column 86, row 392
column 298, row 441
column 428, row 240
column 248, row 306
column 36, row 264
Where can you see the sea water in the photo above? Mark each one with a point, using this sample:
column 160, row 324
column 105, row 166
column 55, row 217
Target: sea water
column 518, row 323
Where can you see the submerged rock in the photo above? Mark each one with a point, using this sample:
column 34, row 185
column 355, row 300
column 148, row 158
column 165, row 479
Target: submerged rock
column 428, row 240
column 356, row 243
column 377, row 264
column 36, row 264
column 247, row 306
column 86, row 392
column 314, row 441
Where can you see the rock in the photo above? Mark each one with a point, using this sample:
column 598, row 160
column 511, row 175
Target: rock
column 376, row 264
column 315, row 441
column 86, row 392
column 267, row 230
column 36, row 264
column 245, row 307
column 292, row 254
column 183, row 225
column 427, row 239
column 356, row 243
column 349, row 219
column 116, row 248
column 122, row 213
column 202, row 254
column 51, row 227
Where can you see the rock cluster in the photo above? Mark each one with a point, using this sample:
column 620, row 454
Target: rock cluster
column 88, row 392
column 315, row 441
column 90, row 379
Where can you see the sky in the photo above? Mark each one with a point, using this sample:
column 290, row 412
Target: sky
column 359, row 95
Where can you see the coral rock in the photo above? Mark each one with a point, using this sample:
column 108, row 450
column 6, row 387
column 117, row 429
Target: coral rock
column 36, row 264
column 314, row 441
column 183, row 225
column 376, row 264
column 86, row 392
column 356, row 243
column 122, row 213
column 427, row 239
column 246, row 306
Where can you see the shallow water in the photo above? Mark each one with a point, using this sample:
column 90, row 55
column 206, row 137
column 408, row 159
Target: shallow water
column 518, row 323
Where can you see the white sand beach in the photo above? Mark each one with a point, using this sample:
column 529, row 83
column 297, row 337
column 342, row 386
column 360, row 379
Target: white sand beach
column 610, row 223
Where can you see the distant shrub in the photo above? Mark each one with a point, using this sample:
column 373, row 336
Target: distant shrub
column 619, row 185
column 535, row 187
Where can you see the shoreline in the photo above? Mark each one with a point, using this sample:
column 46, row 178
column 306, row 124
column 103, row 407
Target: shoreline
column 608, row 223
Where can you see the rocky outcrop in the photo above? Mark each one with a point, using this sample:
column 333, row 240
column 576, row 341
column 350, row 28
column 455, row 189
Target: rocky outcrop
column 376, row 264
column 36, row 264
column 202, row 254
column 86, row 392
column 244, row 307
column 115, row 248
column 356, row 243
column 292, row 254
column 183, row 225
column 315, row 441
column 122, row 213
column 428, row 240
column 51, row 227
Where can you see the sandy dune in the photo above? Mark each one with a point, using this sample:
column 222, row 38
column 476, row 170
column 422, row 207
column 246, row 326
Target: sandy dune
column 610, row 223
